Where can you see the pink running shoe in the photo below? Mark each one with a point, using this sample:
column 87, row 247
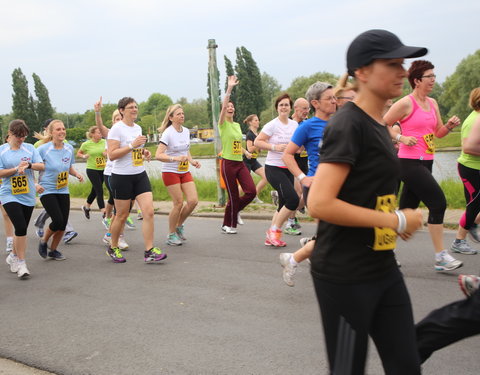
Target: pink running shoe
column 273, row 238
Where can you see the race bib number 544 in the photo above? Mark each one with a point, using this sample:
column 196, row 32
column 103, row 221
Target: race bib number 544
column 385, row 238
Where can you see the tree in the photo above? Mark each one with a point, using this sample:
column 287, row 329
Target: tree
column 271, row 88
column 196, row 113
column 43, row 107
column 457, row 87
column 230, row 72
column 300, row 85
column 249, row 95
column 23, row 106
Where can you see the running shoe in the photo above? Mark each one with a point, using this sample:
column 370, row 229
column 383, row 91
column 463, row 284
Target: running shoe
column 23, row 272
column 129, row 223
column 181, row 232
column 296, row 223
column 462, row 247
column 273, row 238
column 107, row 239
column 154, row 255
column 9, row 246
column 447, row 262
column 173, row 240
column 229, row 230
column 139, row 215
column 288, row 268
column 469, row 284
column 86, row 212
column 116, row 255
column 292, row 231
column 55, row 255
column 473, row 232
column 257, row 200
column 239, row 219
column 302, row 210
column 39, row 232
column 122, row 244
column 304, row 240
column 274, row 195
column 12, row 261
column 69, row 236
column 43, row 249
column 106, row 223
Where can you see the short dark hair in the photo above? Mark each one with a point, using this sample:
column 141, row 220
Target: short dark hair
column 281, row 97
column 417, row 69
column 18, row 128
column 122, row 103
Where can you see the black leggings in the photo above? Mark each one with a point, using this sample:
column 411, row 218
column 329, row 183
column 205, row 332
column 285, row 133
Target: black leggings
column 109, row 188
column 96, row 178
column 282, row 181
column 419, row 185
column 19, row 215
column 471, row 188
column 58, row 207
column 380, row 309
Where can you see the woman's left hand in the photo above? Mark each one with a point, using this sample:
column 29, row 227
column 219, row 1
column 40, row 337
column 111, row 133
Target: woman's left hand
column 79, row 177
column 147, row 155
column 453, row 122
column 196, row 163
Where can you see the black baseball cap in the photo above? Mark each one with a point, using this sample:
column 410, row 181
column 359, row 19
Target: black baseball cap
column 378, row 44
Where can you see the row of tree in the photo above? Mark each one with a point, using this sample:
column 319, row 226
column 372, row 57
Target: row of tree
column 255, row 93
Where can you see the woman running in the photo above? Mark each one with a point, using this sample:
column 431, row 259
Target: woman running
column 420, row 122
column 174, row 151
column 17, row 192
column 359, row 287
column 233, row 168
column 94, row 151
column 274, row 137
column 129, row 180
column 58, row 158
column 252, row 164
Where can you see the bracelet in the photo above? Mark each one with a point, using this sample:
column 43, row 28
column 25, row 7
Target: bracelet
column 273, row 147
column 130, row 146
column 171, row 159
column 448, row 127
column 402, row 221
column 398, row 137
column 301, row 176
column 98, row 113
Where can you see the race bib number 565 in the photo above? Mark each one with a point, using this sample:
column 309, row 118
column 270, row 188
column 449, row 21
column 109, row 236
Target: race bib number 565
column 19, row 185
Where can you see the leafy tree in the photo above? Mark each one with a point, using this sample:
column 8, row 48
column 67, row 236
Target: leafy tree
column 230, row 72
column 249, row 95
column 196, row 114
column 300, row 85
column 154, row 104
column 23, row 104
column 77, row 135
column 271, row 88
column 44, row 109
column 457, row 87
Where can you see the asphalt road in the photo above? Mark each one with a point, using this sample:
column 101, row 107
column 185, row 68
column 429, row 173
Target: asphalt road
column 217, row 305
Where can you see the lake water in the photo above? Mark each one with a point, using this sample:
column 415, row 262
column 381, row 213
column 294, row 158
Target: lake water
column 444, row 167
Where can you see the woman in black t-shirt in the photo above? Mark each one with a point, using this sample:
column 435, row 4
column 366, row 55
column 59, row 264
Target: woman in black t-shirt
column 359, row 288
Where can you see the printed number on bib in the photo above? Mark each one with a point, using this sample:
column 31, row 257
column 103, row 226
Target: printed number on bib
column 100, row 162
column 303, row 154
column 19, row 185
column 428, row 138
column 254, row 155
column 62, row 180
column 237, row 148
column 385, row 238
column 183, row 166
column 137, row 157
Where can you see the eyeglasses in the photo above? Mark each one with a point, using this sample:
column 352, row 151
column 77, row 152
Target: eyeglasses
column 346, row 97
column 132, row 107
column 430, row 76
column 330, row 99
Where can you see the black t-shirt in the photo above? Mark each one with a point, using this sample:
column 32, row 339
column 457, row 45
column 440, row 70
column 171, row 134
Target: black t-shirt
column 250, row 137
column 346, row 254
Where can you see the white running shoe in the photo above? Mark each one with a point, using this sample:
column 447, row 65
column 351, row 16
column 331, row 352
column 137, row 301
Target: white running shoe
column 122, row 244
column 288, row 268
column 9, row 246
column 12, row 261
column 23, row 272
column 447, row 262
column 107, row 240
column 239, row 219
column 229, row 230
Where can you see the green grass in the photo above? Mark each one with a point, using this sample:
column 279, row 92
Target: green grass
column 198, row 150
column 450, row 140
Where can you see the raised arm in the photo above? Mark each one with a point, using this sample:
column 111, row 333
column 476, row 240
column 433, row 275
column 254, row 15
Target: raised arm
column 98, row 118
column 231, row 83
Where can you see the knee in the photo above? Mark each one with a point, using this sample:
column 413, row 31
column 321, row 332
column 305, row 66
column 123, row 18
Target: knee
column 177, row 204
column 292, row 202
column 192, row 203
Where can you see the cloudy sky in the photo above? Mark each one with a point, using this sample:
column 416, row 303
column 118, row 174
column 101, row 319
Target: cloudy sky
column 84, row 49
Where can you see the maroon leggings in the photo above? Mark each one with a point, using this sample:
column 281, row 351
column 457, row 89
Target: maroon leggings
column 233, row 171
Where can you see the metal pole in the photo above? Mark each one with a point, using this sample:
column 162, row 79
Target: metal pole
column 213, row 77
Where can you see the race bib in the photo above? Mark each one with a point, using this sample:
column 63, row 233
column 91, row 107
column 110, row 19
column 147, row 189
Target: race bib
column 428, row 138
column 137, row 157
column 62, row 180
column 254, row 155
column 237, row 148
column 183, row 166
column 303, row 154
column 385, row 238
column 100, row 162
column 19, row 185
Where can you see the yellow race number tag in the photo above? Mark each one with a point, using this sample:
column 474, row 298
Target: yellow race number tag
column 428, row 138
column 62, row 180
column 19, row 185
column 137, row 157
column 183, row 166
column 100, row 162
column 237, row 148
column 385, row 238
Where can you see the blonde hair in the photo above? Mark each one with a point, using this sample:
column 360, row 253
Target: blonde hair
column 47, row 135
column 115, row 114
column 90, row 131
column 249, row 118
column 343, row 85
column 474, row 101
column 166, row 120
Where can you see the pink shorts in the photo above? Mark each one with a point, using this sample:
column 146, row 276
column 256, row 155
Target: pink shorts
column 172, row 178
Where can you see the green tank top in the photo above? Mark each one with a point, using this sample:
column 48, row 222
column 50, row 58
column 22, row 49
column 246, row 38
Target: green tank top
column 231, row 136
column 470, row 161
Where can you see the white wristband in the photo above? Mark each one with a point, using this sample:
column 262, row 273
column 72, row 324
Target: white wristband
column 301, row 176
column 402, row 221
column 273, row 147
column 130, row 146
column 398, row 137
